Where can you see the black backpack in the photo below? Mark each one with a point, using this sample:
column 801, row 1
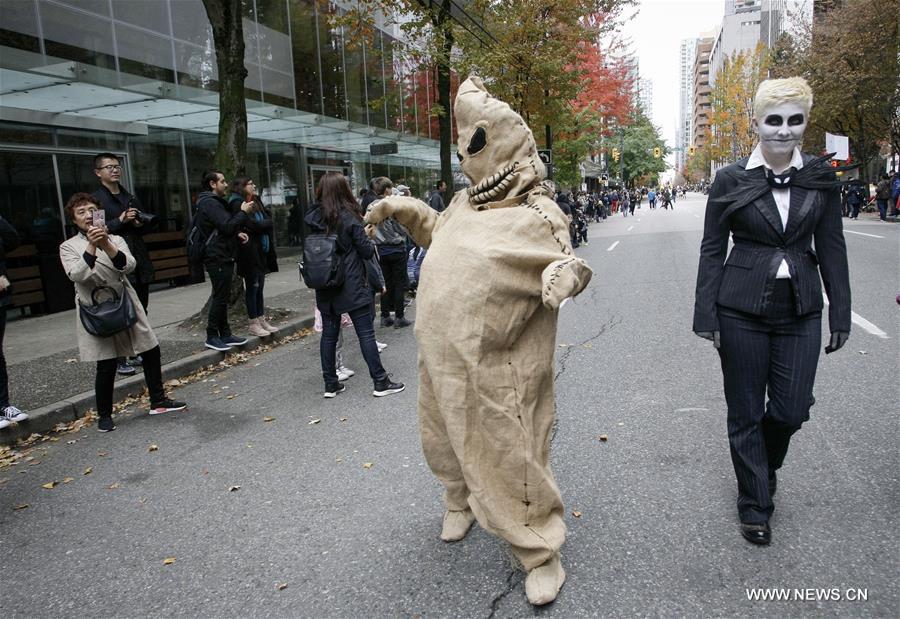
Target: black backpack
column 196, row 241
column 322, row 265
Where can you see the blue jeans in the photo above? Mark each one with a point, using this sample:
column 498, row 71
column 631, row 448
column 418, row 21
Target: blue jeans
column 253, row 295
column 882, row 208
column 365, row 331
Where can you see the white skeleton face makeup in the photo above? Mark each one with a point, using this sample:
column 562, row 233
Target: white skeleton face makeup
column 496, row 149
column 781, row 129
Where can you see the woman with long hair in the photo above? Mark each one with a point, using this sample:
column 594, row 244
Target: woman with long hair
column 94, row 259
column 336, row 212
column 256, row 257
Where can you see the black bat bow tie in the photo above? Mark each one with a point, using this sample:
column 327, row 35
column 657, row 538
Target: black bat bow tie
column 780, row 181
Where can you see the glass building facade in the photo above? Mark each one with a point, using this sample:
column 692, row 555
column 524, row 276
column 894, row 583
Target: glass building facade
column 139, row 78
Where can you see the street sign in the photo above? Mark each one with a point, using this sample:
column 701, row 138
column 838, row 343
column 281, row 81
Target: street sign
column 383, row 149
column 546, row 156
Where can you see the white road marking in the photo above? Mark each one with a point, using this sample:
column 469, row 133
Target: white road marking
column 874, row 236
column 630, row 229
column 690, row 410
column 862, row 322
column 612, row 247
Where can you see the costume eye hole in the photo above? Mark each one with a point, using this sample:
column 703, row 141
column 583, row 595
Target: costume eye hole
column 478, row 141
column 459, row 156
column 774, row 120
column 796, row 119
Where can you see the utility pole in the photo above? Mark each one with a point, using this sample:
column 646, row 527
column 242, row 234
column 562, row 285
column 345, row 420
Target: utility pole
column 622, row 156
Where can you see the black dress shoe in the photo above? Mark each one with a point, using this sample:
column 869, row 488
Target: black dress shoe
column 773, row 484
column 387, row 321
column 757, row 533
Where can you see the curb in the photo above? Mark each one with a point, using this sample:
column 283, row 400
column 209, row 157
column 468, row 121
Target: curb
column 45, row 418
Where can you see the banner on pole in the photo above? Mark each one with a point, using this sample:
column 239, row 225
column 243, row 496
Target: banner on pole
column 839, row 145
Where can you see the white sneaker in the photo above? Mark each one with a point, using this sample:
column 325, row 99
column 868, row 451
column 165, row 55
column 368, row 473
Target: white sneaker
column 344, row 373
column 11, row 413
column 381, row 345
column 3, row 423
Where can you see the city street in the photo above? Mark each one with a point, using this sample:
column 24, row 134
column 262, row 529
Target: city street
column 264, row 499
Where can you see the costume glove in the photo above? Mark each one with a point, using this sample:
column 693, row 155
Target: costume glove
column 838, row 339
column 712, row 336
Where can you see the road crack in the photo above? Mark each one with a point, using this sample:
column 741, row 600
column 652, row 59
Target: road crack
column 564, row 357
column 513, row 580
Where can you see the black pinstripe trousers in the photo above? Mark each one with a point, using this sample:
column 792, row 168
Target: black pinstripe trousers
column 774, row 356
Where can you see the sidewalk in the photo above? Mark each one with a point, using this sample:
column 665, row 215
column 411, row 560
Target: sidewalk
column 47, row 380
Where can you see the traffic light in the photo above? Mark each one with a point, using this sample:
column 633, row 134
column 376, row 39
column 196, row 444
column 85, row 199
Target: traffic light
column 657, row 152
column 834, row 163
column 692, row 150
column 615, row 154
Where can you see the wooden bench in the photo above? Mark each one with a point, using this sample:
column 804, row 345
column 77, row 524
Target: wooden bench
column 168, row 255
column 25, row 276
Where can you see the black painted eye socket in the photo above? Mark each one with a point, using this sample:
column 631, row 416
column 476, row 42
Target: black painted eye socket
column 796, row 119
column 774, row 120
column 459, row 156
column 478, row 141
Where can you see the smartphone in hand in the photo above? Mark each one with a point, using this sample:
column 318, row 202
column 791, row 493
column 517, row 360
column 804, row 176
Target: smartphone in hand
column 98, row 218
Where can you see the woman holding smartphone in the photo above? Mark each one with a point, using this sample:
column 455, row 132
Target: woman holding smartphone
column 92, row 259
column 257, row 256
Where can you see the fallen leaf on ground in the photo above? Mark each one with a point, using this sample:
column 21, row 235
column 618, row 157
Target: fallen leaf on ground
column 229, row 397
column 338, row 459
column 314, row 422
column 168, row 560
column 863, row 352
column 153, row 448
column 71, row 360
column 343, row 419
column 68, row 479
column 22, row 506
column 50, row 485
column 367, row 465
column 113, row 486
column 234, row 489
column 577, row 514
column 603, row 438
column 102, row 454
column 88, row 470
column 268, row 419
column 72, row 442
column 281, row 586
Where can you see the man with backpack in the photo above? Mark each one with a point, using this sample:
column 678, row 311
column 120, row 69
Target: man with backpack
column 213, row 239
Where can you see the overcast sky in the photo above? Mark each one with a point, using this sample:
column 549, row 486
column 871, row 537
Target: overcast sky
column 656, row 32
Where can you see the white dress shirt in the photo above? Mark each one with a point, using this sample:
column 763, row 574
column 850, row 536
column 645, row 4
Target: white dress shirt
column 782, row 196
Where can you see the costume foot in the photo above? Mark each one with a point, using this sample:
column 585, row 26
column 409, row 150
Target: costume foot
column 457, row 525
column 759, row 534
column 544, row 582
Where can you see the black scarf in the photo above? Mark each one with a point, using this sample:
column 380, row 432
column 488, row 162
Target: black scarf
column 815, row 175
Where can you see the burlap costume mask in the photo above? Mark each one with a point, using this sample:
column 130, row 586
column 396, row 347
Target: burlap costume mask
column 498, row 266
column 496, row 148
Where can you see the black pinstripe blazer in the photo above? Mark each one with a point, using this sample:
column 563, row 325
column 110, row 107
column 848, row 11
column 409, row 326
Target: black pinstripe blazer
column 746, row 279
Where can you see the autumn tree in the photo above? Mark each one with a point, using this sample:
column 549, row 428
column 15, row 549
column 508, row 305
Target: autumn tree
column 849, row 55
column 640, row 138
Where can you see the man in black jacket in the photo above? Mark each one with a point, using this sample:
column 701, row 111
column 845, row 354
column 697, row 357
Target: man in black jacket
column 222, row 232
column 126, row 217
column 436, row 199
column 9, row 240
column 762, row 306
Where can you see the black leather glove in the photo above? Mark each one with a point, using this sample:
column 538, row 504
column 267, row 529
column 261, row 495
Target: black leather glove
column 838, row 339
column 712, row 336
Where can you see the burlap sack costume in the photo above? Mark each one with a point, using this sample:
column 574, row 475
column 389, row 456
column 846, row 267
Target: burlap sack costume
column 499, row 264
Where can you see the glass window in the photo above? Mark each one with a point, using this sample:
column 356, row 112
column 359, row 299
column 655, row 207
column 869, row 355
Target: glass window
column 393, row 84
column 196, row 66
column 191, row 23
column 375, row 81
column 331, row 46
column 14, row 133
column 274, row 49
column 159, row 180
column 200, row 152
column 355, row 68
column 95, row 140
column 28, row 198
column 19, row 25
column 150, row 14
column 144, row 54
column 280, row 85
column 273, row 13
column 90, row 42
column 281, row 194
column 100, row 7
column 305, row 55
column 76, row 173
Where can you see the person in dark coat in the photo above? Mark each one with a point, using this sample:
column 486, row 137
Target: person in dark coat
column 762, row 306
column 336, row 212
column 256, row 257
column 9, row 240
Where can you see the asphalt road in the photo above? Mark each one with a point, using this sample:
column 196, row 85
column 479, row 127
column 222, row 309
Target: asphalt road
column 332, row 498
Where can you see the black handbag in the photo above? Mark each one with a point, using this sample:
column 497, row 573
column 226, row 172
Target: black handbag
column 108, row 317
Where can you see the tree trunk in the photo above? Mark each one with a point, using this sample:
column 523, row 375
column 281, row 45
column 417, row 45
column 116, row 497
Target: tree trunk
column 443, row 72
column 226, row 19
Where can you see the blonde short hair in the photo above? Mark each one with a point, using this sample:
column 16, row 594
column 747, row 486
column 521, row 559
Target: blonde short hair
column 787, row 90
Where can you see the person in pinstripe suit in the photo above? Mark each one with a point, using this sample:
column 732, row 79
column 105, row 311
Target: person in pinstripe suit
column 762, row 307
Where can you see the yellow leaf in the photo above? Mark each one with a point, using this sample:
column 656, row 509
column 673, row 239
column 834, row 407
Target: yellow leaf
column 88, row 470
column 314, row 422
column 22, row 506
column 343, row 419
column 268, row 419
column 153, row 448
column 68, row 479
column 367, row 465
column 281, row 586
column 229, row 397
column 338, row 460
column 168, row 560
column 49, row 485
column 603, row 438
column 113, row 486
column 577, row 514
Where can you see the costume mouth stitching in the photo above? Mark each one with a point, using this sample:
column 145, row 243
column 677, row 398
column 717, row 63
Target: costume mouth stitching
column 493, row 186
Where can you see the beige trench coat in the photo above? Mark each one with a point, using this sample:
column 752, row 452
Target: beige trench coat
column 139, row 338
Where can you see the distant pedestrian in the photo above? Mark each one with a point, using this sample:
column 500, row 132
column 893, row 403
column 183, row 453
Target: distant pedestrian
column 390, row 240
column 436, row 199
column 651, row 198
column 856, row 197
column 335, row 212
column 257, row 256
column 94, row 259
column 883, row 196
column 222, row 232
column 9, row 240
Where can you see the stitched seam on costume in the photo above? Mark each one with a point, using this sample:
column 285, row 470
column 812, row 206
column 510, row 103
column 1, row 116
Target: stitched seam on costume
column 540, row 211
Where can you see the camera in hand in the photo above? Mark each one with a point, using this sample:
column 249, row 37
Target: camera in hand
column 145, row 218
